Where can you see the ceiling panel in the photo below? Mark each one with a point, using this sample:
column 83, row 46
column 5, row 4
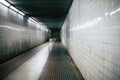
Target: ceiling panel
column 51, row 12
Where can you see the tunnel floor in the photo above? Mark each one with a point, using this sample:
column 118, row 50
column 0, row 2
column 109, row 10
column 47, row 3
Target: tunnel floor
column 49, row 61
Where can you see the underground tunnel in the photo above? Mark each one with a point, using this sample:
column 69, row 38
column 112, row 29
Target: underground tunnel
column 59, row 39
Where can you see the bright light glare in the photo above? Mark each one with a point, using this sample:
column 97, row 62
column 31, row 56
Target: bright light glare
column 115, row 11
column 106, row 13
column 12, row 28
column 21, row 13
column 118, row 9
column 88, row 24
column 33, row 20
column 5, row 3
column 13, row 8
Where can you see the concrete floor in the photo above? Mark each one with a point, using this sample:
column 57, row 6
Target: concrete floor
column 49, row 61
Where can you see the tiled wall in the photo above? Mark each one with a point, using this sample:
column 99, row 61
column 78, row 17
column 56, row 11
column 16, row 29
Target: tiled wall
column 91, row 33
column 18, row 34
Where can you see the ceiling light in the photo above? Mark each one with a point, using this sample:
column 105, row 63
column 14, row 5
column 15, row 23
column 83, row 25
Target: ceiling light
column 32, row 20
column 21, row 13
column 5, row 3
column 13, row 8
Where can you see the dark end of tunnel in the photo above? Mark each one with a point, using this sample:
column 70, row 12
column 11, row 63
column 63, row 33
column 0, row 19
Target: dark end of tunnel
column 55, row 33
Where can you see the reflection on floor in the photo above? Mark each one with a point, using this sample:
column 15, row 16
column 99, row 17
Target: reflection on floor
column 49, row 61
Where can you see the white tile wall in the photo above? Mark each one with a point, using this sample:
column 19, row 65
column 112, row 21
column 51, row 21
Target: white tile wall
column 91, row 33
column 16, row 35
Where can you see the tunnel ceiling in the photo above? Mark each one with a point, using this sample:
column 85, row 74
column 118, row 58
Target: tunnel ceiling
column 51, row 12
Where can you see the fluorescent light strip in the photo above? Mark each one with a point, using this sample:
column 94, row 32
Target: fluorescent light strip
column 13, row 8
column 5, row 3
column 21, row 13
column 32, row 20
column 39, row 25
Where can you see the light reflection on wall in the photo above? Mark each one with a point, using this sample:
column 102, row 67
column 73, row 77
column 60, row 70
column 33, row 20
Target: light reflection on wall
column 94, row 21
column 18, row 33
column 91, row 35
column 32, row 68
column 12, row 28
